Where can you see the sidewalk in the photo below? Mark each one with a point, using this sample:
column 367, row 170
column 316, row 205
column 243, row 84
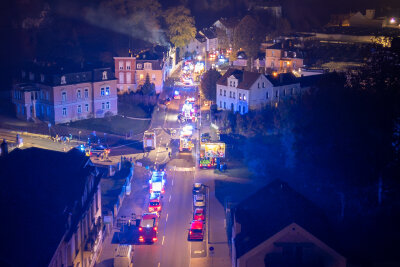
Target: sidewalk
column 132, row 205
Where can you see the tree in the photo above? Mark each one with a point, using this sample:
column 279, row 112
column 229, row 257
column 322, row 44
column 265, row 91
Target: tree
column 248, row 36
column 208, row 84
column 180, row 23
column 148, row 88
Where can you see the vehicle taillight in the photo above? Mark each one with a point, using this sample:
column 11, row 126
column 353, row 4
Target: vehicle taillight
column 141, row 239
column 155, row 228
column 209, row 165
column 201, row 165
column 162, row 191
column 150, row 209
column 190, row 232
column 140, row 228
column 154, row 239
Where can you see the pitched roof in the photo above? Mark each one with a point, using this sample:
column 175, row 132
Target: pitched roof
column 229, row 23
column 246, row 78
column 209, row 33
column 271, row 209
column 155, row 64
column 39, row 188
column 282, row 79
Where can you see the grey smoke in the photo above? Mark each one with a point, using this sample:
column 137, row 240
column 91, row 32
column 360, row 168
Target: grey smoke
column 140, row 25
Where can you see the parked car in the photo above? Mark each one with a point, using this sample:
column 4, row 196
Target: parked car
column 199, row 215
column 196, row 231
column 197, row 188
column 199, row 200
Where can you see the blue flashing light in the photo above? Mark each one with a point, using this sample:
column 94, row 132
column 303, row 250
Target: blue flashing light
column 176, row 92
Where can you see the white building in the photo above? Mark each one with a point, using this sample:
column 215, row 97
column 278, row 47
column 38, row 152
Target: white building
column 239, row 90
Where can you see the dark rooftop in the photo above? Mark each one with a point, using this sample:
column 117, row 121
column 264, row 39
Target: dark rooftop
column 39, row 188
column 281, row 206
column 246, row 78
column 282, row 79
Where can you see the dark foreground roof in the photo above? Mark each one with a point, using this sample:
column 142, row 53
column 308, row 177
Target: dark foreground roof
column 282, row 79
column 271, row 209
column 38, row 189
column 246, row 78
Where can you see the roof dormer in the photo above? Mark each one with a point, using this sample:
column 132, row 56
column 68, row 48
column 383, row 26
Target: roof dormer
column 232, row 81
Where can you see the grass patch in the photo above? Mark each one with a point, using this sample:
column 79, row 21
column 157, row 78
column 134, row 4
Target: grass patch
column 132, row 110
column 113, row 125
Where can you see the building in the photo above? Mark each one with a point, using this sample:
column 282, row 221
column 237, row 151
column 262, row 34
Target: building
column 125, row 73
column 53, row 206
column 57, row 95
column 228, row 25
column 211, row 39
column 197, row 46
column 154, row 68
column 280, row 59
column 240, row 90
column 290, row 231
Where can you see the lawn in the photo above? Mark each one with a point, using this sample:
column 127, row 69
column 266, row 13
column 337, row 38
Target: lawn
column 133, row 110
column 113, row 125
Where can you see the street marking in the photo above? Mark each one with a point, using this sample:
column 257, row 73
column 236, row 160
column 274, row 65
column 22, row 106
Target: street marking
column 183, row 169
column 158, row 264
column 198, row 251
column 172, row 182
column 162, row 243
column 166, row 219
column 169, row 198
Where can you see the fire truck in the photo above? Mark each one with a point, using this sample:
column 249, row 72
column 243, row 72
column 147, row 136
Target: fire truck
column 157, row 182
column 149, row 140
column 210, row 154
column 148, row 228
column 185, row 139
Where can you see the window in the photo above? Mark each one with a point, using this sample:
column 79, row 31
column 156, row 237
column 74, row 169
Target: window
column 224, row 104
column 294, row 54
column 224, row 92
column 153, row 77
column 240, row 109
column 285, row 54
column 292, row 91
column 63, row 81
column 272, row 64
column 121, row 77
column 86, row 92
column 267, row 95
column 79, row 109
column 284, row 64
column 220, row 91
column 47, row 95
column 263, row 85
column 258, row 85
column 64, row 96
column 139, row 66
column 232, row 107
column 147, row 66
column 102, row 105
column 284, row 92
column 240, row 96
column 41, row 77
column 105, row 75
column 107, row 90
column 230, row 83
column 244, row 97
column 121, row 65
column 64, row 112
column 234, row 95
column 276, row 94
column 87, row 107
column 141, row 77
column 107, row 105
column 78, row 93
column 128, row 77
column 102, row 92
column 128, row 65
column 220, row 104
column 272, row 53
column 230, row 93
column 294, row 64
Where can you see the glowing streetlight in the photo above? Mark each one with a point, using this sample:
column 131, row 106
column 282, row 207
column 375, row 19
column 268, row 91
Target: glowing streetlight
column 199, row 58
column 392, row 21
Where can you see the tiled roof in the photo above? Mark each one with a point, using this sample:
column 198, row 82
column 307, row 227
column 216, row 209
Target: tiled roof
column 271, row 209
column 155, row 64
column 282, row 79
column 39, row 188
column 246, row 78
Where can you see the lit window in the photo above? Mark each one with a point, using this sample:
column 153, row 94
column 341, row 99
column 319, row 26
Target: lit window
column 104, row 75
column 139, row 66
column 153, row 77
column 64, row 96
column 141, row 77
column 240, row 96
column 107, row 90
column 121, row 65
column 79, row 109
column 128, row 65
column 107, row 105
column 147, row 66
column 63, row 81
column 78, row 94
column 87, row 107
column 244, row 97
column 86, row 92
column 64, row 111
column 102, row 91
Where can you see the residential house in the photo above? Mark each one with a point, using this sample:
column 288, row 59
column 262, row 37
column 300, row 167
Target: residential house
column 280, row 59
column 240, row 90
column 228, row 25
column 290, row 230
column 154, row 68
column 125, row 73
column 211, row 39
column 197, row 46
column 53, row 206
column 58, row 95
